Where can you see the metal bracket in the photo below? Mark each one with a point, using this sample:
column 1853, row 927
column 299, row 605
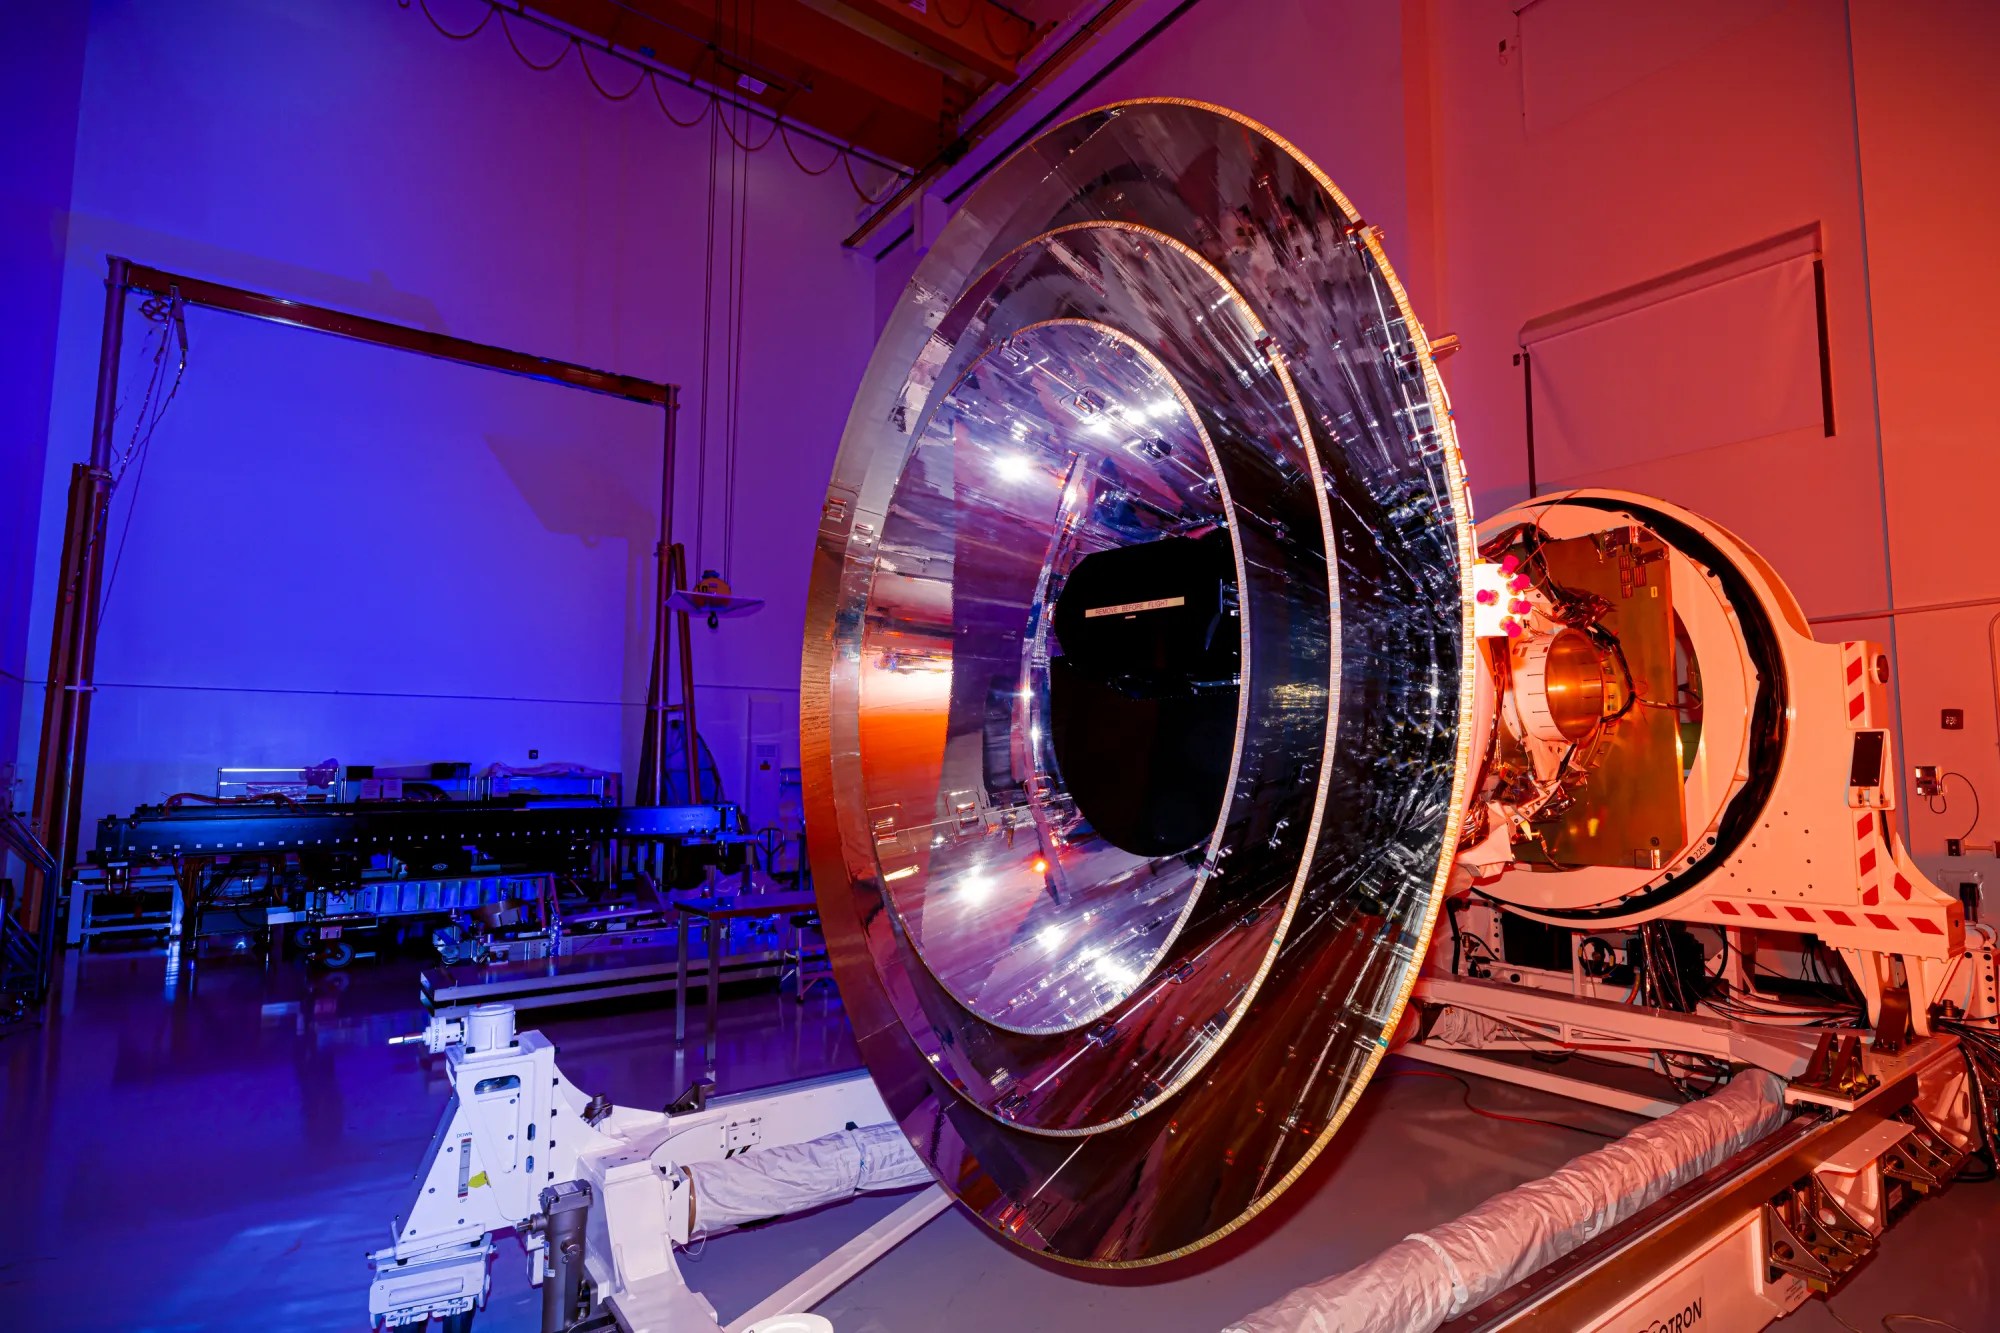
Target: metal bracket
column 1813, row 1237
column 1835, row 1068
column 1922, row 1159
column 694, row 1099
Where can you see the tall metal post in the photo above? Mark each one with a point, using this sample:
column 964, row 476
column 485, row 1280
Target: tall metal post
column 57, row 808
column 690, row 739
column 653, row 748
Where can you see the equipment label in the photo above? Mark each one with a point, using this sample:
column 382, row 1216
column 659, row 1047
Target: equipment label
column 1683, row 1320
column 1130, row 608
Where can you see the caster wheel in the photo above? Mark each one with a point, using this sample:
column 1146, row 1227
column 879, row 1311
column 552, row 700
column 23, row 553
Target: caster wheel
column 337, row 953
column 457, row 1323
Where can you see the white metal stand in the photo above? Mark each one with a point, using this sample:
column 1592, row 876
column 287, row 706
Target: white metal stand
column 515, row 1126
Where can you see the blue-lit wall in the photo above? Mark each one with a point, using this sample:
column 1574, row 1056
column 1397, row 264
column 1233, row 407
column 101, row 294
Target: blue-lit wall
column 38, row 105
column 339, row 551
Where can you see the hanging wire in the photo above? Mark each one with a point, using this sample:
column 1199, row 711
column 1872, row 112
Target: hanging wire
column 583, row 56
column 561, row 55
column 793, row 153
column 750, row 148
column 844, row 154
column 707, row 105
column 871, row 200
column 169, row 315
column 732, row 334
column 707, row 340
column 739, row 293
column 944, row 15
column 938, row 8
column 467, row 36
column 993, row 38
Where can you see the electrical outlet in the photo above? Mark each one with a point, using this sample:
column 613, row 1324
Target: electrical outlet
column 534, row 754
column 1954, row 847
column 1952, row 719
column 1927, row 780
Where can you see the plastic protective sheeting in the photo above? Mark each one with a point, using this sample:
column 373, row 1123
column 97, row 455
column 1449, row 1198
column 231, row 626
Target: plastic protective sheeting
column 1418, row 1283
column 773, row 1182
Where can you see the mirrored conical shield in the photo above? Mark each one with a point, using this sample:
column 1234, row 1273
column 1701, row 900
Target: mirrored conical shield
column 1137, row 682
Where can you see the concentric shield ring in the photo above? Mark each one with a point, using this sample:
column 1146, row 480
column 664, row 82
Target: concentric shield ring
column 1137, row 682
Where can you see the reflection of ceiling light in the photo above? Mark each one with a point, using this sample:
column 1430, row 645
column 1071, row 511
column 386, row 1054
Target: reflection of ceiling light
column 1049, row 936
column 1113, row 972
column 974, row 889
column 1013, row 467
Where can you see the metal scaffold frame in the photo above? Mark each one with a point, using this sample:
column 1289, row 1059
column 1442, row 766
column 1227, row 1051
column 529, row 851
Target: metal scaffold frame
column 56, row 813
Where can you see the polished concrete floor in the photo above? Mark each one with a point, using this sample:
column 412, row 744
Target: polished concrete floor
column 219, row 1149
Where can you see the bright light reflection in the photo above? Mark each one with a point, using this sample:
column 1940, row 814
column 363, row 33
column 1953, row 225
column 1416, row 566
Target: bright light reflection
column 975, row 889
column 1049, row 936
column 1013, row 467
column 1114, row 973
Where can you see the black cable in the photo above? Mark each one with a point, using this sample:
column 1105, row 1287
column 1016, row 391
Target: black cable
column 844, row 153
column 793, row 153
column 1972, row 790
column 1970, row 1043
column 602, row 91
column 739, row 296
column 993, row 39
column 561, row 55
column 708, row 106
column 466, row 36
column 170, row 314
column 707, row 340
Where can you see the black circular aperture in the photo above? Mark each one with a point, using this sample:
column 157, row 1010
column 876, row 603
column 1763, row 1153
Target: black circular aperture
column 1142, row 699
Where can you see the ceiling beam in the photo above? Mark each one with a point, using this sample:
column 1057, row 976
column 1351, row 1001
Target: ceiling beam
column 794, row 61
column 982, row 36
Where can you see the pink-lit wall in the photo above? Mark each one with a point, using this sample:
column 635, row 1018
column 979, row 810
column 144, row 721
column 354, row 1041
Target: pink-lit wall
column 1579, row 148
column 1930, row 177
column 341, row 551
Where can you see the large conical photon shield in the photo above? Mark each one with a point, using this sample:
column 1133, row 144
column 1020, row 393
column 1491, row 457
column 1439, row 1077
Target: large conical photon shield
column 1137, row 682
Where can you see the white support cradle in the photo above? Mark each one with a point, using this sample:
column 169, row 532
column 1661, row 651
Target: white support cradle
column 515, row 1125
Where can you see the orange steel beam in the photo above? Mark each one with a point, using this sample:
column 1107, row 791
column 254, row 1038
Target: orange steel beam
column 792, row 60
column 987, row 39
column 996, row 115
